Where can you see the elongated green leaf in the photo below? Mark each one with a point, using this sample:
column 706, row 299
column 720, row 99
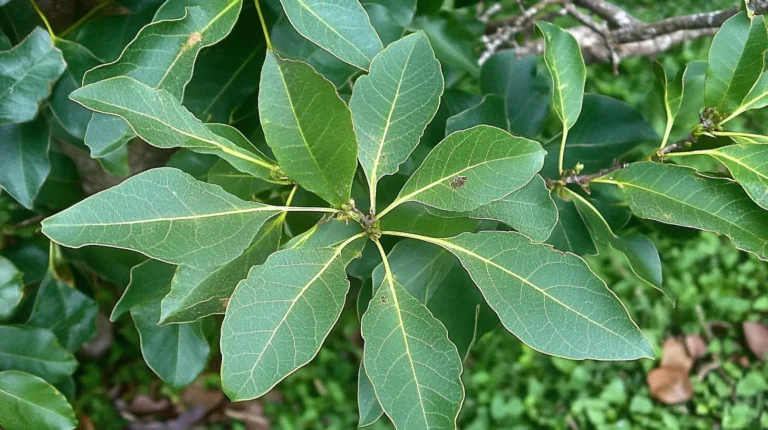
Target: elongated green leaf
column 367, row 404
column 149, row 282
column 27, row 401
column 693, row 100
column 472, row 168
column 237, row 183
column 392, row 106
column 550, row 300
column 415, row 370
column 341, row 27
column 570, row 233
column 324, row 235
column 308, row 127
column 451, row 38
column 177, row 353
column 161, row 56
column 11, row 288
column 566, row 65
column 638, row 249
column 746, row 138
column 529, row 210
column 758, row 96
column 24, row 165
column 27, row 74
column 677, row 195
column 72, row 117
column 199, row 292
column 36, row 351
column 402, row 10
column 64, row 310
column 489, row 111
column 670, row 95
column 607, row 129
column 164, row 214
column 277, row 320
column 748, row 165
column 419, row 219
column 735, row 62
column 527, row 94
column 160, row 119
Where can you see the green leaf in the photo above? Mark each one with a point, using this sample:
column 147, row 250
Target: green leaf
column 277, row 320
column 155, row 213
column 527, row 94
column 72, row 117
column 758, row 96
column 27, row 401
column 290, row 44
column 177, row 353
column 24, row 165
column 199, row 292
column 160, row 119
column 27, row 74
column 490, row 111
column 36, row 351
column 308, row 127
column 640, row 252
column 419, row 219
column 67, row 312
column 341, row 27
column 224, row 74
column 384, row 23
column 150, row 281
column 562, row 55
column 107, row 36
column 550, row 300
column 735, row 62
column 367, row 403
column 748, row 163
column 197, row 165
column 392, row 106
column 161, row 56
column 324, row 235
column 237, row 183
column 670, row 95
column 453, row 42
column 472, row 168
column 529, row 210
column 415, row 370
column 402, row 10
column 571, row 233
column 11, row 288
column 677, row 195
column 607, row 129
column 693, row 100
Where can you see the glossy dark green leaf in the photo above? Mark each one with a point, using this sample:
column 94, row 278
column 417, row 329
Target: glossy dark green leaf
column 325, row 234
column 155, row 212
column 419, row 219
column 546, row 297
column 225, row 74
column 140, row 5
column 150, row 281
column 341, row 27
column 693, row 100
column 160, row 119
column 24, row 165
column 5, row 43
column 529, row 210
column 757, row 97
column 678, row 195
column 640, row 252
column 472, row 168
column 277, row 320
column 670, row 96
column 527, row 94
column 735, row 61
column 72, row 117
column 384, row 23
column 11, row 288
column 562, row 55
column 392, row 106
column 290, row 44
column 453, row 43
column 161, row 56
column 308, row 127
column 36, row 351
column 27, row 74
column 196, row 164
column 107, row 36
column 177, row 353
column 402, row 10
column 607, row 128
column 62, row 187
column 490, row 111
column 27, row 401
column 199, row 292
column 235, row 182
column 67, row 312
column 570, row 233
column 413, row 366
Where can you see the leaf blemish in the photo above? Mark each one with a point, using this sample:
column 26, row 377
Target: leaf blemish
column 194, row 39
column 383, row 299
column 458, row 182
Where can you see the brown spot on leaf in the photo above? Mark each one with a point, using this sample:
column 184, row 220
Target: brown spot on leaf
column 458, row 182
column 383, row 299
column 194, row 39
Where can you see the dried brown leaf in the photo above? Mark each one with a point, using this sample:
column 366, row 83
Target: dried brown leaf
column 674, row 355
column 696, row 346
column 757, row 339
column 670, row 385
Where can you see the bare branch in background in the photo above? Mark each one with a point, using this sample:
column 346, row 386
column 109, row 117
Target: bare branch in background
column 619, row 35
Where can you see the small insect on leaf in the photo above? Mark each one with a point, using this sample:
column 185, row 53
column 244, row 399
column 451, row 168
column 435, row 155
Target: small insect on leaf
column 383, row 299
column 458, row 182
